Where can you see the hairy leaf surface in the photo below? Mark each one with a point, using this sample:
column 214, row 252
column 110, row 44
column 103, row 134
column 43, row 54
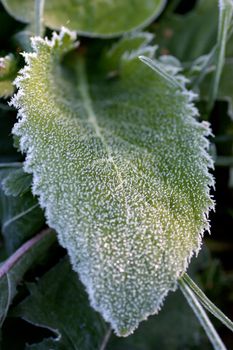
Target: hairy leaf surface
column 119, row 162
column 102, row 18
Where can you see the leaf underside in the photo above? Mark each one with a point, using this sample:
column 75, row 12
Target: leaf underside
column 119, row 163
column 101, row 18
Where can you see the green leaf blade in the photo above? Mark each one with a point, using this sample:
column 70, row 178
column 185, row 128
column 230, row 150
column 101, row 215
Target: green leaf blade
column 121, row 167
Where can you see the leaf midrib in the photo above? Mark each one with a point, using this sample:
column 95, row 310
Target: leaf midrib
column 92, row 119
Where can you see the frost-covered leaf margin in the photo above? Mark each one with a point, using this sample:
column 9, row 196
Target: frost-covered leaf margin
column 143, row 207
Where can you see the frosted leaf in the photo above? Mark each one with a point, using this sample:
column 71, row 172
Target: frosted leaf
column 120, row 165
column 95, row 18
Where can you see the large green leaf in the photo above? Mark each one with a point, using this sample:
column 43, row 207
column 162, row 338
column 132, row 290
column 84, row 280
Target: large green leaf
column 58, row 302
column 101, row 18
column 119, row 162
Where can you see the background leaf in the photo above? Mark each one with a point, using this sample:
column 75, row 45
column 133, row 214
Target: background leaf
column 20, row 216
column 202, row 23
column 10, row 280
column 8, row 72
column 102, row 18
column 59, row 302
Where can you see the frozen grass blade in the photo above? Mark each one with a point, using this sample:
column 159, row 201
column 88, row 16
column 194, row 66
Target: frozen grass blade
column 201, row 316
column 39, row 9
column 213, row 309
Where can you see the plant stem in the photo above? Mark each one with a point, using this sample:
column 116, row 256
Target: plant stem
column 39, row 10
column 225, row 15
column 11, row 165
column 12, row 260
column 202, row 316
column 213, row 309
column 106, row 339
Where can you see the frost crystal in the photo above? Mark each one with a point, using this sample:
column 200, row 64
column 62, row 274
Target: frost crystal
column 120, row 165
